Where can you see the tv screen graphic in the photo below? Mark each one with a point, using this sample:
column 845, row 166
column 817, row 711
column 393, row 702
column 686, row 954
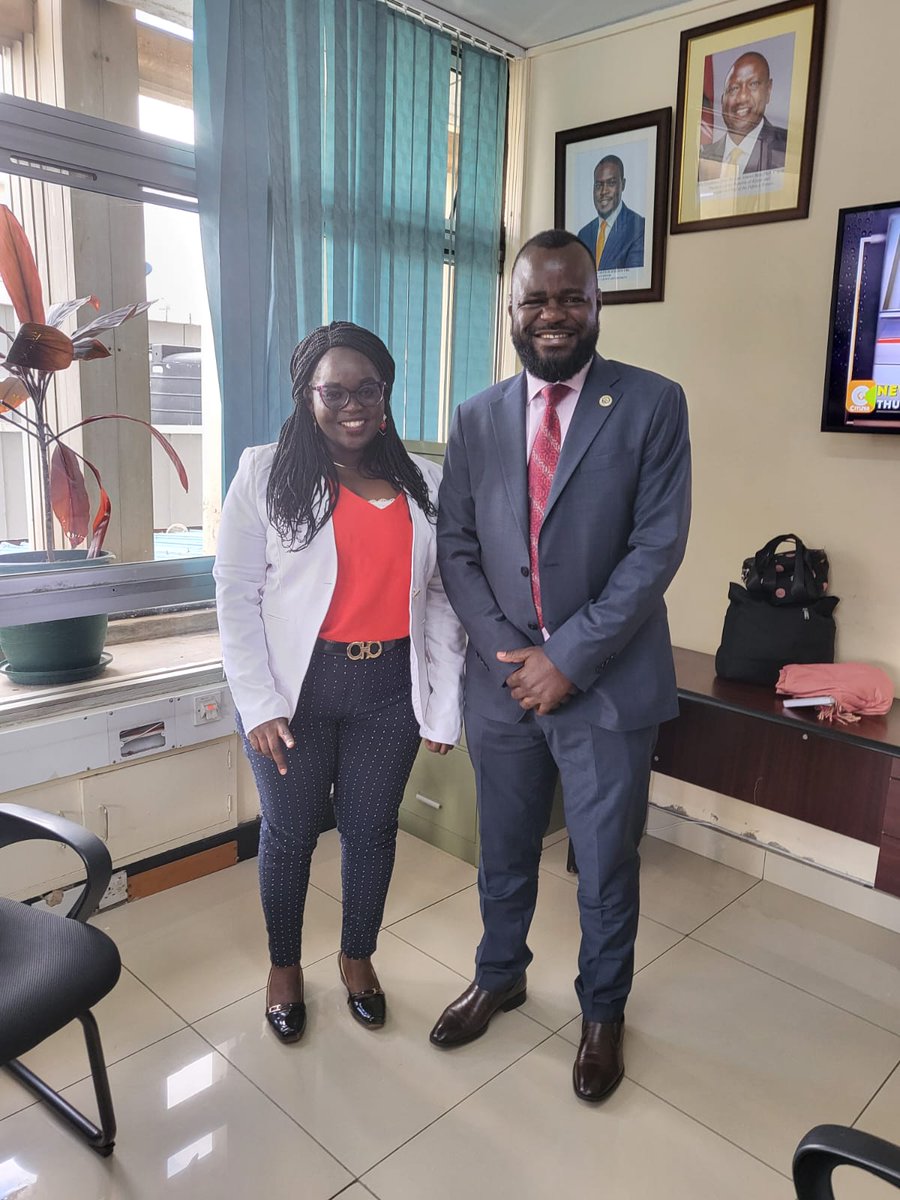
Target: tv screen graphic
column 862, row 381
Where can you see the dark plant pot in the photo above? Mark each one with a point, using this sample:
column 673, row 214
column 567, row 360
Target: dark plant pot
column 54, row 652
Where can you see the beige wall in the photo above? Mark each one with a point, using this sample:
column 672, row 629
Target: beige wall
column 744, row 324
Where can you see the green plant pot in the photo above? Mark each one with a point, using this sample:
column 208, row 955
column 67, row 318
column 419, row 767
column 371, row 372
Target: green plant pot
column 54, row 652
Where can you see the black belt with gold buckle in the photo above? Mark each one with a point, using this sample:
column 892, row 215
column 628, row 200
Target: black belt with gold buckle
column 359, row 651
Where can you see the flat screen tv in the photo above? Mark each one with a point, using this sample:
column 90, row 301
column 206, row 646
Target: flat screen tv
column 862, row 379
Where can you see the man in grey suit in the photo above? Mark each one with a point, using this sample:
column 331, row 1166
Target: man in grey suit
column 751, row 143
column 563, row 517
column 615, row 237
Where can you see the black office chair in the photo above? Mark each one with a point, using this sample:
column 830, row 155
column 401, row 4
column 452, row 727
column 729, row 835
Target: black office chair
column 54, row 969
column 829, row 1146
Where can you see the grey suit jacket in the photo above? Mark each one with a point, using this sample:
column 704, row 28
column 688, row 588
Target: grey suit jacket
column 768, row 153
column 613, row 536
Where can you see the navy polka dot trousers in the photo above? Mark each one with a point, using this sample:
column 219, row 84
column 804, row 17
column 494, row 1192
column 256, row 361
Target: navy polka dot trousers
column 354, row 731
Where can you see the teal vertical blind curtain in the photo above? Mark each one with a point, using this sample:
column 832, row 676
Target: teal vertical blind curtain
column 233, row 183
column 322, row 168
column 476, row 230
column 384, row 185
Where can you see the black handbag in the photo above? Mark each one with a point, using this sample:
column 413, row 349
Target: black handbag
column 760, row 638
column 792, row 577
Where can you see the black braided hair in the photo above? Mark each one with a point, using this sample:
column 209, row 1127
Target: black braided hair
column 303, row 484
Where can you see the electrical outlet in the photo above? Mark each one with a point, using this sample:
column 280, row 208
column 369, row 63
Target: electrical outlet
column 117, row 891
column 207, row 708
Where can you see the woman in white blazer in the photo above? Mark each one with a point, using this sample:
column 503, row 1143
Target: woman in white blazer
column 340, row 647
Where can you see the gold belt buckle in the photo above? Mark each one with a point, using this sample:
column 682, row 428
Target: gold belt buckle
column 360, row 650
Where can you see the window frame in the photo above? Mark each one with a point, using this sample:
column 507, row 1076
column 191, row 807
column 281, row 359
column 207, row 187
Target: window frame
column 54, row 145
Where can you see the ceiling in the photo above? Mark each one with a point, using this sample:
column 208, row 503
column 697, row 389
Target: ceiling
column 529, row 23
column 523, row 23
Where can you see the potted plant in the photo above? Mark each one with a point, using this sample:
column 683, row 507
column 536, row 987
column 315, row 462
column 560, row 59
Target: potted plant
column 70, row 649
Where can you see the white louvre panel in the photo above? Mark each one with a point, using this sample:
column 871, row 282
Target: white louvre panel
column 58, row 146
column 107, row 736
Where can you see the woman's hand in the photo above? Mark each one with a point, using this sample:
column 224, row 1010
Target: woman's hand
column 437, row 747
column 267, row 739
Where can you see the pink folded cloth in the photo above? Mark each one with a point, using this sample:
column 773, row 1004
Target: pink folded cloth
column 857, row 688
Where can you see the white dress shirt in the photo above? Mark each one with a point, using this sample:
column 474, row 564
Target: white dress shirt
column 534, row 412
column 745, row 148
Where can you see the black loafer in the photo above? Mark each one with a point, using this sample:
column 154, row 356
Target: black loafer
column 287, row 1021
column 368, row 1006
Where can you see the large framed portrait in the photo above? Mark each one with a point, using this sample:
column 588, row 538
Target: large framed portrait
column 612, row 184
column 745, row 125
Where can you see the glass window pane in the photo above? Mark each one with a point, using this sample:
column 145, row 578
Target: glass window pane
column 161, row 370
column 110, row 60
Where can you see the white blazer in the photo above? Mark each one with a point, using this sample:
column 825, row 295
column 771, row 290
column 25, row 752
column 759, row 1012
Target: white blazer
column 271, row 603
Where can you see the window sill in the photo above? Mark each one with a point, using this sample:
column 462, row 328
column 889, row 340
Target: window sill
column 161, row 625
column 140, row 669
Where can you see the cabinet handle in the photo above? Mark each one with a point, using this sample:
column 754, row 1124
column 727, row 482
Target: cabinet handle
column 427, row 800
column 104, row 812
column 756, row 789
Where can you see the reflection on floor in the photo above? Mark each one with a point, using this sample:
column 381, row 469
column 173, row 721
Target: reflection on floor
column 756, row 1014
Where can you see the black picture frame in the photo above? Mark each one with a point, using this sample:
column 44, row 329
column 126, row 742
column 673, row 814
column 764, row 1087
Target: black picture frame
column 771, row 181
column 640, row 144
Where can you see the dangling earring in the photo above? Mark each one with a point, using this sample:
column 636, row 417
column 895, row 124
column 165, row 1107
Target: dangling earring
column 382, row 428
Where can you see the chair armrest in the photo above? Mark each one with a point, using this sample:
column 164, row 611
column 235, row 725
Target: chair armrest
column 829, row 1146
column 20, row 824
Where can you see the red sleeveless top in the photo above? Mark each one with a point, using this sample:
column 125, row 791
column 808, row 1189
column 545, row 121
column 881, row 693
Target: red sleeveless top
column 374, row 549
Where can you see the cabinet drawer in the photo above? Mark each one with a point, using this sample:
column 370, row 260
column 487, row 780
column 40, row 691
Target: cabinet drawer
column 32, row 868
column 828, row 782
column 712, row 748
column 145, row 805
column 441, row 790
column 892, row 810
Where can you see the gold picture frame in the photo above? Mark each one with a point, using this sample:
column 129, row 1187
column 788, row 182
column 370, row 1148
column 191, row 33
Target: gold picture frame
column 745, row 123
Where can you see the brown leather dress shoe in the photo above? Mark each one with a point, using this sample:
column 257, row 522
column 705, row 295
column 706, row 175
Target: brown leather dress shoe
column 599, row 1063
column 469, row 1015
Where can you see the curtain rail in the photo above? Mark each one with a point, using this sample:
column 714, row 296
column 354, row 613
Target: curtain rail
column 438, row 19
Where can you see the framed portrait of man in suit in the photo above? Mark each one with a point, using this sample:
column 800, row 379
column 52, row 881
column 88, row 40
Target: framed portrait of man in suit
column 612, row 181
column 748, row 94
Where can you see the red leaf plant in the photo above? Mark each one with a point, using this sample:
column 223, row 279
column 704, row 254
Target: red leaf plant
column 37, row 351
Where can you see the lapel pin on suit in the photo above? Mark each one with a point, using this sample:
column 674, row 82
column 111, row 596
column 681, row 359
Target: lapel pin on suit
column 605, row 401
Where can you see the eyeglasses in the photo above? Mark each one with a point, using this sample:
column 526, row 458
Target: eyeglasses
column 335, row 397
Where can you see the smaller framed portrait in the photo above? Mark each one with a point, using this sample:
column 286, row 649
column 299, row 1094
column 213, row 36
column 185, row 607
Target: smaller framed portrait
column 745, row 124
column 612, row 186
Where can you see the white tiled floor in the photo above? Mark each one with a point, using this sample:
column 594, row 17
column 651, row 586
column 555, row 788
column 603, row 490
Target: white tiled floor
column 756, row 1014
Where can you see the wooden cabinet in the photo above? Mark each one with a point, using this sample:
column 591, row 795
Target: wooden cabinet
column 739, row 740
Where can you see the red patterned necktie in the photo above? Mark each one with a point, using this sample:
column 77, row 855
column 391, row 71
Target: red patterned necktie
column 541, row 469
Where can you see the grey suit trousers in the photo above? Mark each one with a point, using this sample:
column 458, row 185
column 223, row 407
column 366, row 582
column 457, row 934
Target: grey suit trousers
column 605, row 777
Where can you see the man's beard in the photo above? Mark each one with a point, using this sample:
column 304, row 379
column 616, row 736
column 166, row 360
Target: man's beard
column 555, row 368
